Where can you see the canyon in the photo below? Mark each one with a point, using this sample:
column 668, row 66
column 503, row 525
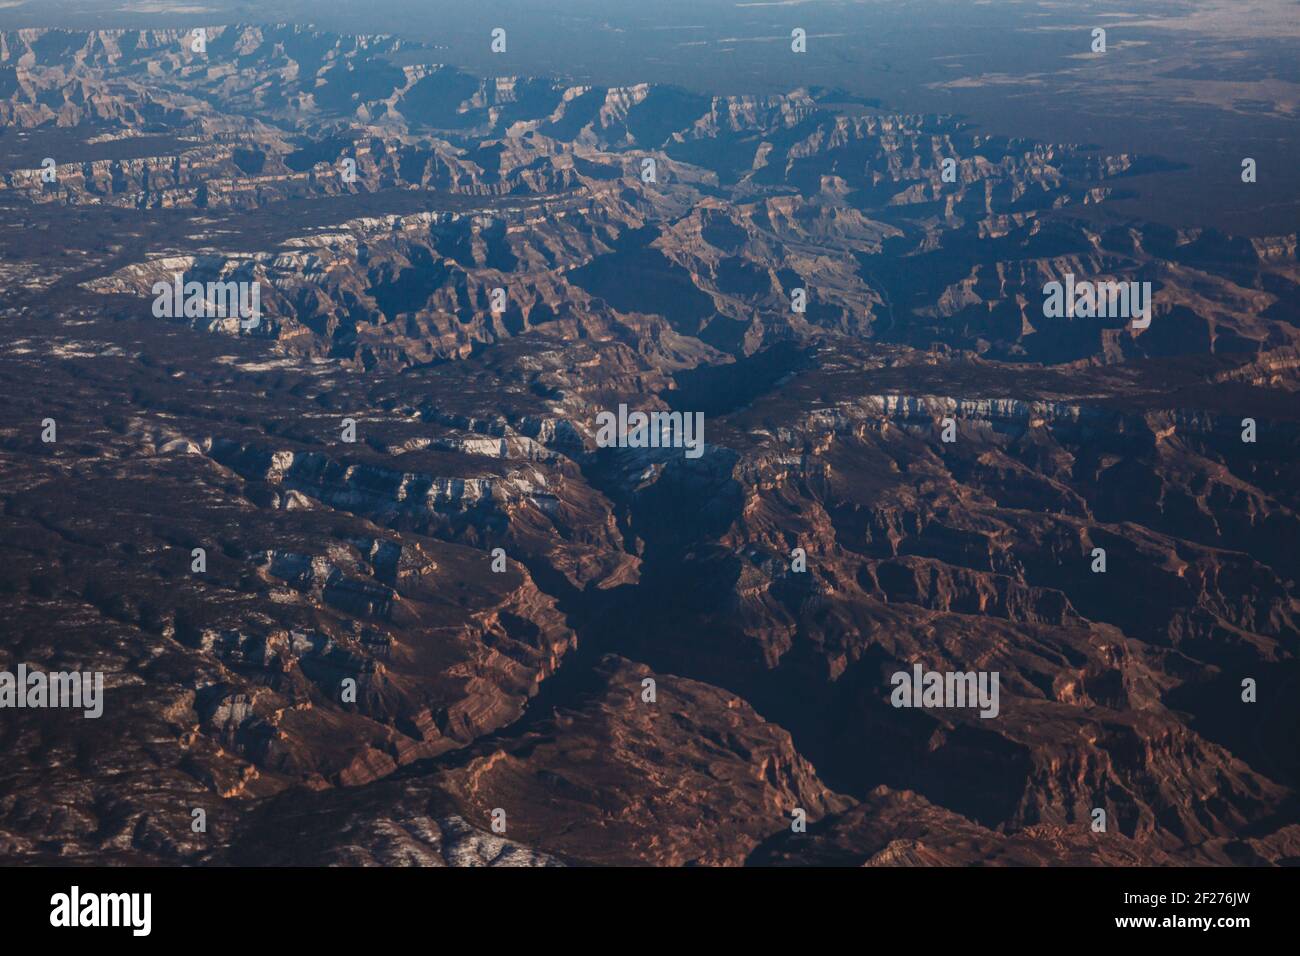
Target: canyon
column 377, row 204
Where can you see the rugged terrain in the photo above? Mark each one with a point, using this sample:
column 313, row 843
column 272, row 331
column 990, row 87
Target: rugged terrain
column 523, row 687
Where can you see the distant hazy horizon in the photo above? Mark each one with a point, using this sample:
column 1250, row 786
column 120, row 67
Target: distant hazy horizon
column 1010, row 68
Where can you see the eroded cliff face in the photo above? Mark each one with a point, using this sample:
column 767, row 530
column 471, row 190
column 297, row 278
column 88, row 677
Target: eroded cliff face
column 452, row 605
column 904, row 228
